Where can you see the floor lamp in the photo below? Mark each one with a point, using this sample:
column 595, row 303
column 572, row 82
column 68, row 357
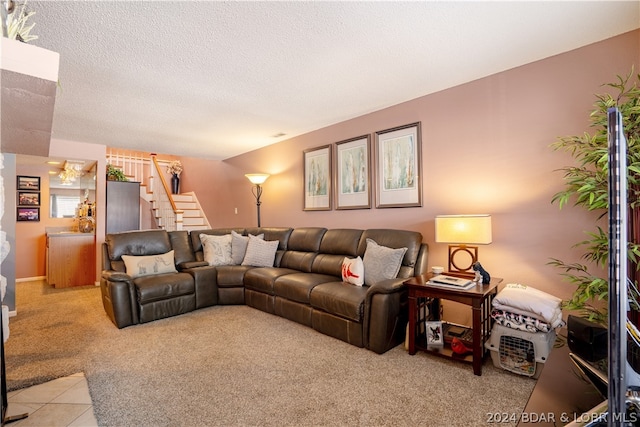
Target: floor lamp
column 463, row 232
column 257, row 179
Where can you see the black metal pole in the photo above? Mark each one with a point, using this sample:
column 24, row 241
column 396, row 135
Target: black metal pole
column 257, row 193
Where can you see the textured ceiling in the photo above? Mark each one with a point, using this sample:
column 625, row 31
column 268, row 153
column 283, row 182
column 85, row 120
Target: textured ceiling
column 217, row 79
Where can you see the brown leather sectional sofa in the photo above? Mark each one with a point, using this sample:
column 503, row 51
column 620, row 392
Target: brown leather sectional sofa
column 304, row 285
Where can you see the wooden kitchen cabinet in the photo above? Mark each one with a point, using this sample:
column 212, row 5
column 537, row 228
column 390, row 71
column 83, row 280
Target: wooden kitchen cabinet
column 71, row 259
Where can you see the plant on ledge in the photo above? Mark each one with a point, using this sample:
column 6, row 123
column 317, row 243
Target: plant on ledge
column 115, row 174
column 175, row 168
column 587, row 184
column 17, row 28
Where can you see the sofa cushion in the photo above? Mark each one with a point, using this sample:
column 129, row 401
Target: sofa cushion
column 262, row 279
column 163, row 286
column 137, row 243
column 340, row 299
column 182, row 248
column 353, row 271
column 297, row 287
column 217, row 249
column 341, row 242
column 381, row 263
column 260, row 253
column 138, row 266
column 231, row 276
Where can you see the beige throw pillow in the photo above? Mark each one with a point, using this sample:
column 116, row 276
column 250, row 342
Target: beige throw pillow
column 216, row 249
column 138, row 266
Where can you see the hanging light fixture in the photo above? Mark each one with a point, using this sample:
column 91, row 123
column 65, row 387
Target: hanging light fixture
column 72, row 170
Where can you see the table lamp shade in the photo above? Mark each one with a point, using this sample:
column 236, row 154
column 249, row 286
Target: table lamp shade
column 463, row 229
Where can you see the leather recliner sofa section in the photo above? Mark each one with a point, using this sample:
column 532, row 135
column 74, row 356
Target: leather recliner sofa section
column 304, row 284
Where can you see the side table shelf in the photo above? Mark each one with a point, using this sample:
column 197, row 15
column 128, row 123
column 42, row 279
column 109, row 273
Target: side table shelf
column 424, row 304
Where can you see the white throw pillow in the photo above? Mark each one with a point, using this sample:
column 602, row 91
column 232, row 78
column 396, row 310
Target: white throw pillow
column 353, row 271
column 239, row 246
column 138, row 266
column 260, row 253
column 216, row 249
column 381, row 262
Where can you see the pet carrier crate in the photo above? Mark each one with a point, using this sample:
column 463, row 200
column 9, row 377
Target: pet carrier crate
column 518, row 351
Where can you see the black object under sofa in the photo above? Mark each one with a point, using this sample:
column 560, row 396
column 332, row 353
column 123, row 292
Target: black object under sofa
column 303, row 285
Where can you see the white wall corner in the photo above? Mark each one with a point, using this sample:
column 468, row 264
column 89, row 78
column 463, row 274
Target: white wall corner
column 27, row 59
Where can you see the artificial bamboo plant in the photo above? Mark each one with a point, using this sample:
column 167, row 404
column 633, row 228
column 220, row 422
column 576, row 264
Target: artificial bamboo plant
column 587, row 185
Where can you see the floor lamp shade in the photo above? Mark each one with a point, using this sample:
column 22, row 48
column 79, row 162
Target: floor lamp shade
column 462, row 231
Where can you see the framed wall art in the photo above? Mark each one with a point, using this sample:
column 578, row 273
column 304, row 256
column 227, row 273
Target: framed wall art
column 353, row 173
column 317, row 178
column 28, row 198
column 28, row 214
column 399, row 167
column 31, row 183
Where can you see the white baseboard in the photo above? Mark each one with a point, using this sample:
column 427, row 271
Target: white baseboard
column 31, row 279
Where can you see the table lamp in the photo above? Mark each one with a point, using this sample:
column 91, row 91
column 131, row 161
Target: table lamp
column 463, row 232
column 257, row 179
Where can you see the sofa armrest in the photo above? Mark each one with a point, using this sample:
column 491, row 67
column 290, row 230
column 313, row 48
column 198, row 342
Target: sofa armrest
column 119, row 298
column 206, row 282
column 116, row 276
column 385, row 315
column 191, row 264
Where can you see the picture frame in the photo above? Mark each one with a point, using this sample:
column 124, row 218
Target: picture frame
column 399, row 167
column 435, row 334
column 28, row 198
column 30, row 183
column 28, row 214
column 353, row 173
column 317, row 178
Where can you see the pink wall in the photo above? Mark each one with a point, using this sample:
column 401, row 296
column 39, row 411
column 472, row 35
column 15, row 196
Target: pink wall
column 485, row 149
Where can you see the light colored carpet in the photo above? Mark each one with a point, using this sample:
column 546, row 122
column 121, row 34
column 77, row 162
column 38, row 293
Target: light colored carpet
column 234, row 365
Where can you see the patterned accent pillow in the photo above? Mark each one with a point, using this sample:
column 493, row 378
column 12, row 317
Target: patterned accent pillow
column 216, row 249
column 353, row 271
column 138, row 266
column 381, row 262
column 260, row 253
column 239, row 246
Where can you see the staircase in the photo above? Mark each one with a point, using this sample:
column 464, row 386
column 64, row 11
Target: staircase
column 193, row 218
column 169, row 211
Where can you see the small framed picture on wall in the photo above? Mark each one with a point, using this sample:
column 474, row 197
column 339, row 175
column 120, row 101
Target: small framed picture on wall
column 30, row 183
column 28, row 214
column 28, row 198
column 317, row 178
column 353, row 173
column 399, row 167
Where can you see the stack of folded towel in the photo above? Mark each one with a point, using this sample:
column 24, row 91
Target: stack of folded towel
column 527, row 309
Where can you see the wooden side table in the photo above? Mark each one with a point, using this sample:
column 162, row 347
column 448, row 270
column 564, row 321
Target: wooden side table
column 478, row 298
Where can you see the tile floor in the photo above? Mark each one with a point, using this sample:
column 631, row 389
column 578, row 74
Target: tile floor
column 58, row 403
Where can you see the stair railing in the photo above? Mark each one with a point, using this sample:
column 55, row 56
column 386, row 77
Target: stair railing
column 169, row 216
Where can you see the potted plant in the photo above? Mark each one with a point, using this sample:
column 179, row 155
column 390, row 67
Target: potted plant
column 587, row 186
column 115, row 174
column 17, row 28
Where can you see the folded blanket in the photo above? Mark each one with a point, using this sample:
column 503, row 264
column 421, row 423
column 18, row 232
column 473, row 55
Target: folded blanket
column 522, row 299
column 520, row 322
